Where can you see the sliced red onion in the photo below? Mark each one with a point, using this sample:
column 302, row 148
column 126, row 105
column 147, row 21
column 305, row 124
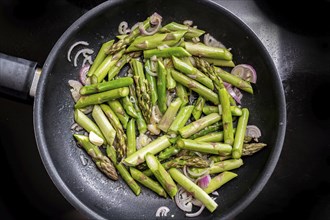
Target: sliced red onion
column 246, row 72
column 235, row 93
column 123, row 28
column 74, row 45
column 196, row 213
column 83, row 73
column 253, row 131
column 227, row 84
column 204, row 181
column 183, row 200
column 155, row 20
column 162, row 211
column 86, row 52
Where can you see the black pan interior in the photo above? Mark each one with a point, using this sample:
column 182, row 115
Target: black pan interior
column 87, row 188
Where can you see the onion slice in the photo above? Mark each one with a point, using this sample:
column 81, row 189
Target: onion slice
column 253, row 131
column 235, row 93
column 246, row 72
column 196, row 213
column 183, row 200
column 83, row 73
column 123, row 28
column 156, row 21
column 204, row 181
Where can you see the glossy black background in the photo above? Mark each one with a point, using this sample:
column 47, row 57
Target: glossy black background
column 299, row 44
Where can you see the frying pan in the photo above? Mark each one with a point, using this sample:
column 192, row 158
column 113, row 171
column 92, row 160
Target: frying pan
column 83, row 185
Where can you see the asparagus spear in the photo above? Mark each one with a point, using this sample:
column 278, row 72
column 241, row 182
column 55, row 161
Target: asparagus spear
column 201, row 50
column 119, row 111
column 86, row 123
column 251, row 148
column 169, row 115
column 129, row 107
column 197, row 111
column 114, row 121
column 114, row 70
column 105, row 126
column 147, row 182
column 111, row 152
column 205, row 147
column 161, row 87
column 211, row 128
column 101, row 161
column 212, row 137
column 141, row 123
column 221, row 166
column 170, row 82
column 161, row 175
column 179, row 162
column 240, row 133
column 152, row 83
column 181, row 119
column 153, row 147
column 235, row 110
column 191, row 31
column 101, row 97
column 100, row 56
column 218, row 62
column 168, row 152
column 110, row 61
column 142, row 89
column 195, row 86
column 131, row 137
column 219, row 180
column 153, row 41
column 105, row 86
column 198, row 125
column 227, row 118
column 166, row 52
column 192, row 72
column 181, row 92
column 194, row 189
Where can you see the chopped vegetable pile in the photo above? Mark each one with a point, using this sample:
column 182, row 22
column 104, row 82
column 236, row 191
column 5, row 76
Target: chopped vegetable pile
column 160, row 108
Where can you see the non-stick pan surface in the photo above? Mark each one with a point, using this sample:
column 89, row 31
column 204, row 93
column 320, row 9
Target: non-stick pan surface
column 84, row 186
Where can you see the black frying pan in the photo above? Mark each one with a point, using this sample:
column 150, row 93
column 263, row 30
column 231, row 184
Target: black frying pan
column 85, row 187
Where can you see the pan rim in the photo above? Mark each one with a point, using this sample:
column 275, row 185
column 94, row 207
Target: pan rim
column 46, row 157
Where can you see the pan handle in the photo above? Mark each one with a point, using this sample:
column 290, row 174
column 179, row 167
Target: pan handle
column 18, row 76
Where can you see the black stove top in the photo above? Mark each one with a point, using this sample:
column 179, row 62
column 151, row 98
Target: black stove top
column 297, row 38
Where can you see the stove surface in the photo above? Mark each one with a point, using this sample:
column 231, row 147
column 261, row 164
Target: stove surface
column 299, row 46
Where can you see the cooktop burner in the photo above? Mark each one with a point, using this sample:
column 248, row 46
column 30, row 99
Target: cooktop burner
column 298, row 40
